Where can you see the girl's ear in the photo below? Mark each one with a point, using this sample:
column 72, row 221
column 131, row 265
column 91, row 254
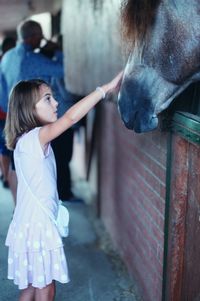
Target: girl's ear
column 35, row 115
column 34, row 111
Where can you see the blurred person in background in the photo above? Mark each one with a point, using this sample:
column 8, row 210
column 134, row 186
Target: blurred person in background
column 62, row 145
column 6, row 174
column 23, row 62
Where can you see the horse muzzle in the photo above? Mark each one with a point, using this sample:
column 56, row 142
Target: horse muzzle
column 136, row 110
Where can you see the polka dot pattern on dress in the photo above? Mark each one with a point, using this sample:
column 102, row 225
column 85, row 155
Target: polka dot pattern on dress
column 10, row 260
column 36, row 245
column 33, row 267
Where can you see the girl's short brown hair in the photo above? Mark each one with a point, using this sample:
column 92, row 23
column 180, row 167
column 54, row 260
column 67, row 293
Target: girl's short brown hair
column 21, row 116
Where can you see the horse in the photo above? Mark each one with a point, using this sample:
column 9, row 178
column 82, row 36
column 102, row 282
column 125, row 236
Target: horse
column 163, row 38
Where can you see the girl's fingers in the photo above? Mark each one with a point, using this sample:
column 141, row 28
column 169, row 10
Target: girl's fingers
column 118, row 78
column 116, row 82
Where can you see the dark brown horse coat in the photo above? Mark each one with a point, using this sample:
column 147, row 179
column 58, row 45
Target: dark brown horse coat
column 164, row 59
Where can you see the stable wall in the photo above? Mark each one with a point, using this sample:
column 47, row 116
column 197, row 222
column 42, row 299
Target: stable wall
column 132, row 176
column 91, row 43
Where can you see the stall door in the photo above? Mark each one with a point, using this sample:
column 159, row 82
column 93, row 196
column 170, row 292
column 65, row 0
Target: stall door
column 182, row 248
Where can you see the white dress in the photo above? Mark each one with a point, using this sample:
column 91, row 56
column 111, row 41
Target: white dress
column 36, row 254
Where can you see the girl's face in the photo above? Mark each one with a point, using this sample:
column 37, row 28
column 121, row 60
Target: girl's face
column 46, row 107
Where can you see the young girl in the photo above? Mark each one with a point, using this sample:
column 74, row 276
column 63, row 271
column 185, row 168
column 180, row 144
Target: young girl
column 36, row 257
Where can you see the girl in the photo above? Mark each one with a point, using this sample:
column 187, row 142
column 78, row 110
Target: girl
column 36, row 256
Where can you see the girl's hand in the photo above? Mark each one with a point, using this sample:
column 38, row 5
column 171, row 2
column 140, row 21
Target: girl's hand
column 78, row 111
column 114, row 84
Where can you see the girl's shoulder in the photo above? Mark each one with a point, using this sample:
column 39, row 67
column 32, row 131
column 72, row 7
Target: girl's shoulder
column 29, row 142
column 33, row 132
column 29, row 135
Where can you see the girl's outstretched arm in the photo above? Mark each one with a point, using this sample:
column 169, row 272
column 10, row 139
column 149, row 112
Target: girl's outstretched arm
column 77, row 111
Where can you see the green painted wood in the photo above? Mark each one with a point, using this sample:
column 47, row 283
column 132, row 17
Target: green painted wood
column 167, row 208
column 187, row 126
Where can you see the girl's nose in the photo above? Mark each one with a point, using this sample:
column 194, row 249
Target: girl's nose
column 55, row 103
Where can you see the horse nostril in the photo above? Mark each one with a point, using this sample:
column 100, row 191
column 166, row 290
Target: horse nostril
column 135, row 115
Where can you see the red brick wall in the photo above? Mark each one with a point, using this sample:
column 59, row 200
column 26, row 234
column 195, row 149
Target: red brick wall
column 132, row 197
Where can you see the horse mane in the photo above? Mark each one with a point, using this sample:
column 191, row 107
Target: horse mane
column 137, row 17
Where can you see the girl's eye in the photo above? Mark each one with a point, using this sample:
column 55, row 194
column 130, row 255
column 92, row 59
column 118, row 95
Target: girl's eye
column 48, row 99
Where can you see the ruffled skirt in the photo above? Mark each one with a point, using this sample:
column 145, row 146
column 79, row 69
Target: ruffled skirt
column 37, row 268
column 36, row 255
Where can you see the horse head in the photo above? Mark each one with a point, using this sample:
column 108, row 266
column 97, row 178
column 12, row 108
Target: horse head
column 165, row 58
